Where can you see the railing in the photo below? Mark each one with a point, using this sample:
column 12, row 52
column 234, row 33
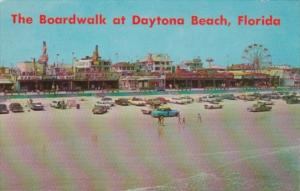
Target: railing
column 97, row 76
column 29, row 77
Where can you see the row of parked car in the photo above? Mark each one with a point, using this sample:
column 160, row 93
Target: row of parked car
column 17, row 107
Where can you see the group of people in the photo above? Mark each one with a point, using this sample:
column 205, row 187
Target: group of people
column 181, row 120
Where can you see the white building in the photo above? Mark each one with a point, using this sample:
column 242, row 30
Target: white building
column 156, row 63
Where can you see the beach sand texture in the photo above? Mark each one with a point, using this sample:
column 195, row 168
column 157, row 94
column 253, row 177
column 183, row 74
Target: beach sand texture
column 72, row 149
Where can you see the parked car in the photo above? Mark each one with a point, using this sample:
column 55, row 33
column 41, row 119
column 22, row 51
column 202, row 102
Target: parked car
column 107, row 100
column 165, row 112
column 213, row 106
column 122, row 102
column 181, row 100
column 259, row 107
column 99, row 110
column 58, row 104
column 266, row 102
column 154, row 103
column 162, row 100
column 37, row 106
column 106, row 105
column 292, row 100
column 16, row 107
column 247, row 97
column 227, row 96
column 3, row 109
column 137, row 101
column 210, row 99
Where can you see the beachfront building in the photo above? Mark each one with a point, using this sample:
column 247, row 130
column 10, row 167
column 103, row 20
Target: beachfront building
column 139, row 82
column 156, row 63
column 29, row 75
column 124, row 68
column 6, row 79
column 192, row 65
column 94, row 73
column 205, row 78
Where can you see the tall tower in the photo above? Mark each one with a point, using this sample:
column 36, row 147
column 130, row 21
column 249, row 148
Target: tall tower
column 96, row 56
column 44, row 57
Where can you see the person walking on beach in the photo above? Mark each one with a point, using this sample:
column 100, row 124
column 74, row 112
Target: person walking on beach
column 162, row 121
column 159, row 120
column 183, row 120
column 199, row 117
column 179, row 118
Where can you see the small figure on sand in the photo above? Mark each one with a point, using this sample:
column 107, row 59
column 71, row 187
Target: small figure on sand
column 199, row 117
column 183, row 120
column 162, row 121
column 179, row 118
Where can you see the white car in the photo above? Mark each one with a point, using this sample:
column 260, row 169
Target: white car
column 106, row 101
column 101, row 104
column 181, row 100
column 210, row 99
column 213, row 106
column 137, row 101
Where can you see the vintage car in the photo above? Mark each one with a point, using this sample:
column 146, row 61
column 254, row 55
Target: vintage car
column 162, row 100
column 107, row 100
column 181, row 100
column 275, row 95
column 265, row 98
column 164, row 111
column 266, row 102
column 154, row 102
column 137, row 101
column 99, row 110
column 37, row 106
column 259, row 107
column 122, row 102
column 246, row 97
column 227, row 96
column 102, row 104
column 3, row 109
column 210, row 98
column 16, row 107
column 292, row 100
column 58, row 104
column 289, row 95
column 213, row 106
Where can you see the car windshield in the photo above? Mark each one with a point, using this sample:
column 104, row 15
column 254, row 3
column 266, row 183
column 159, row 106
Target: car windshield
column 106, row 99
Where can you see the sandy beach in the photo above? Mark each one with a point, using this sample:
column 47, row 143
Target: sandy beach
column 73, row 149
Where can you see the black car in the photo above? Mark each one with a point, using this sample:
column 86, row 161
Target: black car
column 16, row 107
column 3, row 109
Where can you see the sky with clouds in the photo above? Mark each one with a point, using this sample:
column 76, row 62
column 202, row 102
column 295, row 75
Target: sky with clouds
column 129, row 43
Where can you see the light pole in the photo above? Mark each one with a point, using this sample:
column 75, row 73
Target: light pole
column 73, row 70
column 57, row 55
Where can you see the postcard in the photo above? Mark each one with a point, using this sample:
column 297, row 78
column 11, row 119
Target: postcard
column 150, row 95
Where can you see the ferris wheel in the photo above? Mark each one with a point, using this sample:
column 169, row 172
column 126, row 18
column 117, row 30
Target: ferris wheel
column 258, row 56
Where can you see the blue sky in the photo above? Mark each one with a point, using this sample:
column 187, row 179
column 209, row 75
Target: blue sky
column 224, row 44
